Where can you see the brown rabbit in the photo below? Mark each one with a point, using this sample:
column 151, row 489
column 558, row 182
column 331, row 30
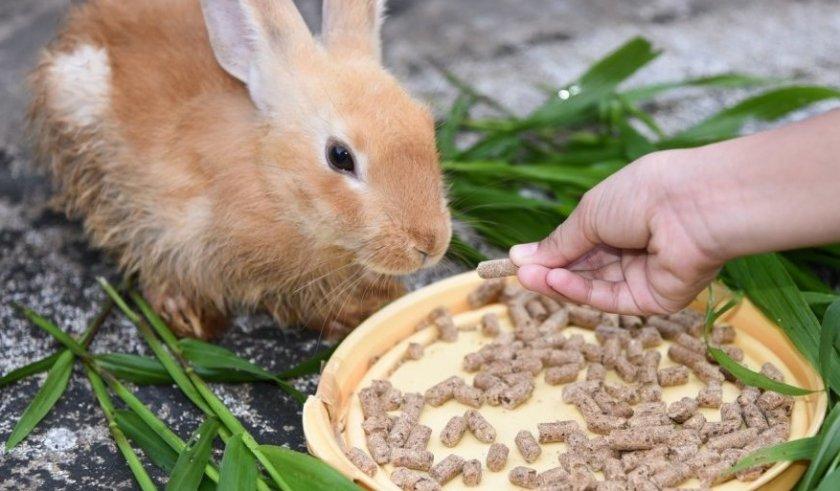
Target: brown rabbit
column 231, row 160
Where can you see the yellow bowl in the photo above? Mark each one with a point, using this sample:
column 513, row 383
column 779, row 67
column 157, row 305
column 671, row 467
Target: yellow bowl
column 375, row 348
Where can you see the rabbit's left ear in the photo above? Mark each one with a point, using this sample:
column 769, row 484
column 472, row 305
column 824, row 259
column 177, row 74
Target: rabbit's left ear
column 353, row 27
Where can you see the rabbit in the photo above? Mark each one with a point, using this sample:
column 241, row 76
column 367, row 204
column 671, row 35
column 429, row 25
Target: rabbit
column 231, row 161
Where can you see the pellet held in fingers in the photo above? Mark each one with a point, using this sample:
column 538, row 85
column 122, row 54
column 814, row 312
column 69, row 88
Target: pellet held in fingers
column 446, row 470
column 479, row 427
column 497, row 268
column 471, row 472
column 524, row 477
column 528, row 446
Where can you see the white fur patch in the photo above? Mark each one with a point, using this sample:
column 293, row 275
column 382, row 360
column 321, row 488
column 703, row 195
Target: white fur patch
column 80, row 84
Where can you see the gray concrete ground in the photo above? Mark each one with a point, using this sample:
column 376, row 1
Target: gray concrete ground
column 505, row 47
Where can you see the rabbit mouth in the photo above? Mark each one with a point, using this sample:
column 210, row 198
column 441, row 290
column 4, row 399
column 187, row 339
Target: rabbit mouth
column 397, row 262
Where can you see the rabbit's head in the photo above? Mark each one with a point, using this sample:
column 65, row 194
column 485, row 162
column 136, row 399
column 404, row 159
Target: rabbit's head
column 345, row 151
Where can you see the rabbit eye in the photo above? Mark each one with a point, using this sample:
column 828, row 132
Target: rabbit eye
column 340, row 158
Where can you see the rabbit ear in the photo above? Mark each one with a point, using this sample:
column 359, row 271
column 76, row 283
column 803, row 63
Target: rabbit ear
column 353, row 26
column 250, row 38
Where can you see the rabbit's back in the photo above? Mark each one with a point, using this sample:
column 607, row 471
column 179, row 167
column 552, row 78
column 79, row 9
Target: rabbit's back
column 125, row 101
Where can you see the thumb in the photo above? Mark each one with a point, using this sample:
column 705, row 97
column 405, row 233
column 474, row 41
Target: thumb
column 567, row 242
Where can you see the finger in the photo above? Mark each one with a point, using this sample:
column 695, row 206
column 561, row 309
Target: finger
column 567, row 243
column 533, row 277
column 609, row 296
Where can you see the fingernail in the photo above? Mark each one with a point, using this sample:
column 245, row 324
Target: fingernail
column 522, row 252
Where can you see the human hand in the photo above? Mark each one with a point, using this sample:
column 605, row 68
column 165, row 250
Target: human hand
column 635, row 244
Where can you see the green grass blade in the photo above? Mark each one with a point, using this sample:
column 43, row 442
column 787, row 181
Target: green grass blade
column 724, row 80
column 769, row 106
column 189, row 468
column 828, row 338
column 47, row 325
column 827, row 450
column 140, row 475
column 155, row 448
column 309, row 366
column 447, row 132
column 33, row 368
column 140, row 370
column 793, row 450
column 239, row 469
column 766, row 282
column 216, row 357
column 804, row 277
column 831, row 482
column 44, row 400
column 819, row 298
column 753, row 378
column 304, row 472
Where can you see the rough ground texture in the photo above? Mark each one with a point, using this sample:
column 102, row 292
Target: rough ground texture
column 505, row 47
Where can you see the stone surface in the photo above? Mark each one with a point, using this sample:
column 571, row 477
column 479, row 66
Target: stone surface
column 507, row 48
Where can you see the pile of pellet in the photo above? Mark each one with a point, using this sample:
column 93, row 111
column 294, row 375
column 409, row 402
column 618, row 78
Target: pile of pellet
column 641, row 443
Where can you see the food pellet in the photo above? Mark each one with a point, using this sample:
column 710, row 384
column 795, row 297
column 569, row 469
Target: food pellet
column 380, row 423
column 556, row 431
column 770, row 400
column 582, row 316
column 378, row 447
column 667, row 329
column 650, row 337
column 528, row 446
column 490, row 324
column 371, row 405
column 592, row 352
column 630, row 321
column 634, row 439
column 524, row 477
column 680, row 411
column 672, row 475
column 634, row 351
column 754, row 417
column 690, row 342
column 612, row 350
column 514, row 396
column 722, row 334
column 419, row 460
column 391, row 399
column 626, row 370
column 427, row 485
column 497, row 456
column 405, row 478
column 555, row 321
column 531, row 365
column 562, row 357
column 553, row 477
column 479, row 427
column 446, row 470
column 443, row 391
column 471, row 472
column 562, row 374
column 469, row 396
column 446, row 328
column 497, row 268
column 414, row 351
column 695, row 422
column 711, row 395
column 536, row 309
column 361, row 460
column 413, row 404
column 419, row 437
column 488, row 292
column 453, row 431
column 596, row 371
column 671, row 376
column 399, row 433
column 736, row 439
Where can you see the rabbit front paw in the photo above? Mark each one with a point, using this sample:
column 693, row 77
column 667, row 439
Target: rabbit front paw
column 187, row 318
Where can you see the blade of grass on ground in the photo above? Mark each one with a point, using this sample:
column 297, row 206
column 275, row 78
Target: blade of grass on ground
column 828, row 448
column 140, row 475
column 44, row 364
column 189, row 468
column 238, row 471
column 724, row 80
column 304, row 472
